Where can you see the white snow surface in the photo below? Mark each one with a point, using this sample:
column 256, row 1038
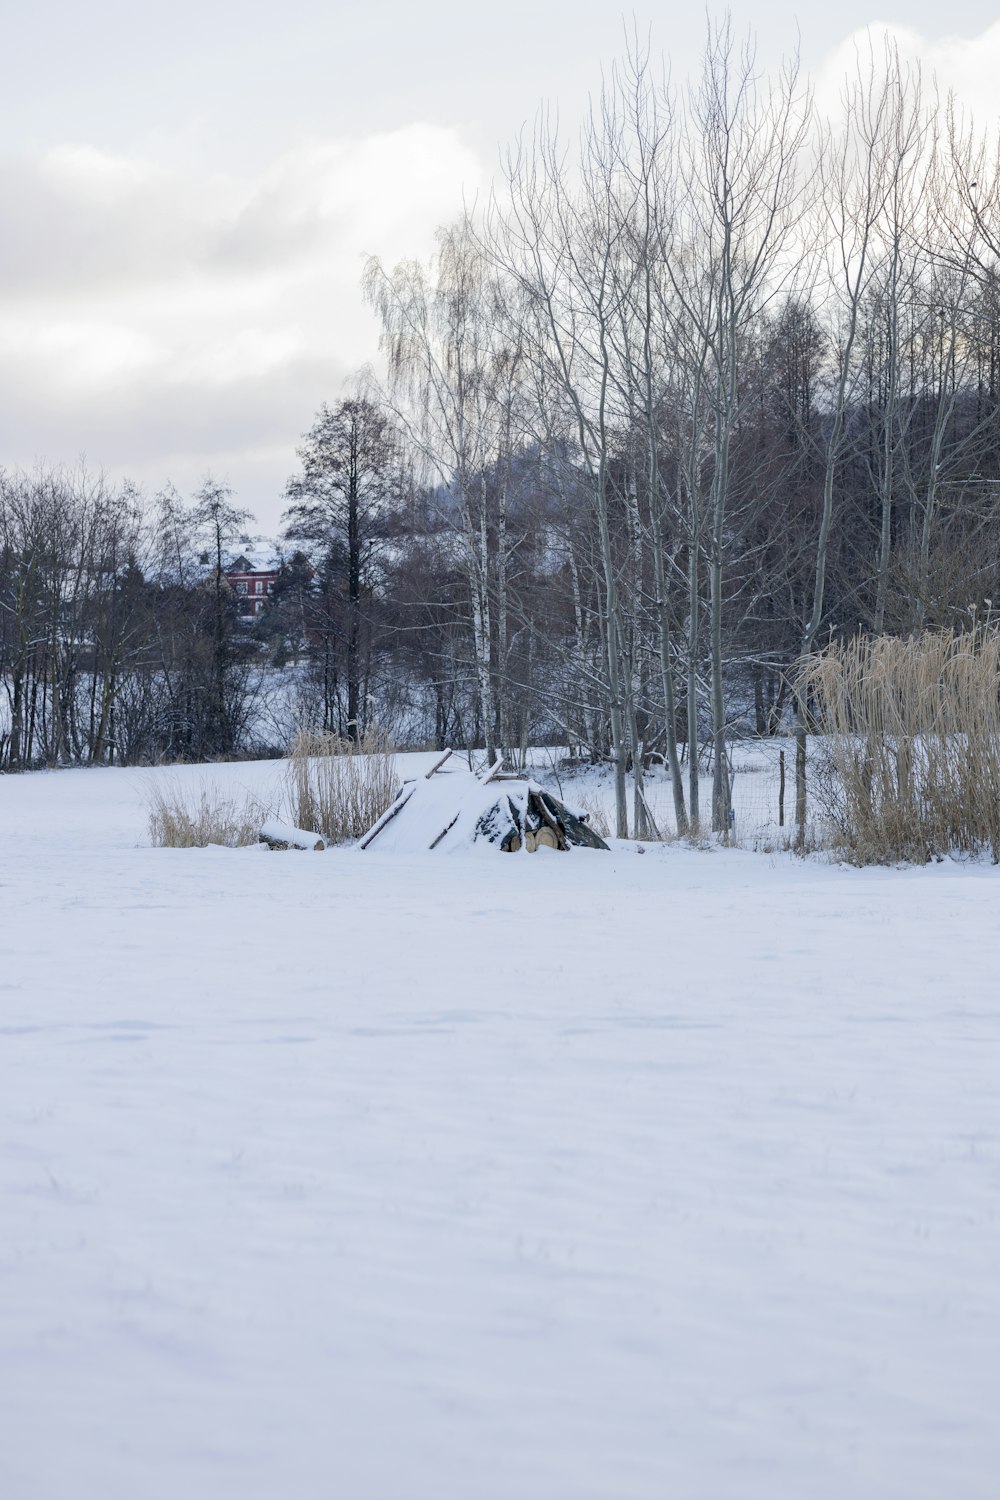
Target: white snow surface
column 556, row 1178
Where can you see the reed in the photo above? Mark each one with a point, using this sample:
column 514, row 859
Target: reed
column 337, row 787
column 911, row 743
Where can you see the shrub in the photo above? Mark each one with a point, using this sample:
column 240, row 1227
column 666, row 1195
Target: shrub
column 912, row 750
column 338, row 788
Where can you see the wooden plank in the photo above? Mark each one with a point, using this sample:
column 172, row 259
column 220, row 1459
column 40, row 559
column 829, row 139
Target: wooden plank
column 446, row 830
column 493, row 771
column 438, row 764
column 387, row 816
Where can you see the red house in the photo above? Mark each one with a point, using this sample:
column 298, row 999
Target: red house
column 252, row 580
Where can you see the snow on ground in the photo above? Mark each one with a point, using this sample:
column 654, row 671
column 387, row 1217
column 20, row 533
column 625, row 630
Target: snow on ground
column 536, row 1178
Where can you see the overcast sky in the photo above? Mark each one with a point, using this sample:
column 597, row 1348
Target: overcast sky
column 189, row 189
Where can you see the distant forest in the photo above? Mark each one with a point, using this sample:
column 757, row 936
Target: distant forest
column 691, row 395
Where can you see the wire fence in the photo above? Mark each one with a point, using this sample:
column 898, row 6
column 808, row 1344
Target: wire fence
column 762, row 780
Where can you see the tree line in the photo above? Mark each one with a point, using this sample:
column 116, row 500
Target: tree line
column 684, row 399
column 749, row 356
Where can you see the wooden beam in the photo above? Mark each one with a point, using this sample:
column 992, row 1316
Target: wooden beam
column 438, row 764
column 493, row 770
column 446, row 830
column 387, row 816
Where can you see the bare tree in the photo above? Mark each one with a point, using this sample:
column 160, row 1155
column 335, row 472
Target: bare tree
column 446, row 366
column 863, row 175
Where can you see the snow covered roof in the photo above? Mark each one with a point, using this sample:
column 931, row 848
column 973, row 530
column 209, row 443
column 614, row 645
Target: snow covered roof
column 253, row 554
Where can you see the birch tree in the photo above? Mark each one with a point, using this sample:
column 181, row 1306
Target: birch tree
column 443, row 358
column 736, row 247
column 861, row 175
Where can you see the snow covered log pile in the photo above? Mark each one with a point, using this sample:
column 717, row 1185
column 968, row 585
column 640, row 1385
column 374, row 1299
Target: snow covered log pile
column 525, row 816
column 283, row 836
column 453, row 808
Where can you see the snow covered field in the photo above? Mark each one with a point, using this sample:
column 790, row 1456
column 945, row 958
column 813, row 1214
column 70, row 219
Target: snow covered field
column 517, row 1178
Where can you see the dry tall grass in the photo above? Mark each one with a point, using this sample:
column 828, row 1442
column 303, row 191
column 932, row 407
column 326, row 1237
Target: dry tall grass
column 192, row 820
column 912, row 743
column 593, row 807
column 338, row 788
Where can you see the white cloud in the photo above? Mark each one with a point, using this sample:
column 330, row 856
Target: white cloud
column 968, row 66
column 92, row 175
column 169, row 323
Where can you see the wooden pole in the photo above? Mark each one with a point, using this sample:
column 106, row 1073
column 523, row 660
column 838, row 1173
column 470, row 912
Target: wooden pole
column 387, row 816
column 493, row 770
column 437, row 765
column 446, row 830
